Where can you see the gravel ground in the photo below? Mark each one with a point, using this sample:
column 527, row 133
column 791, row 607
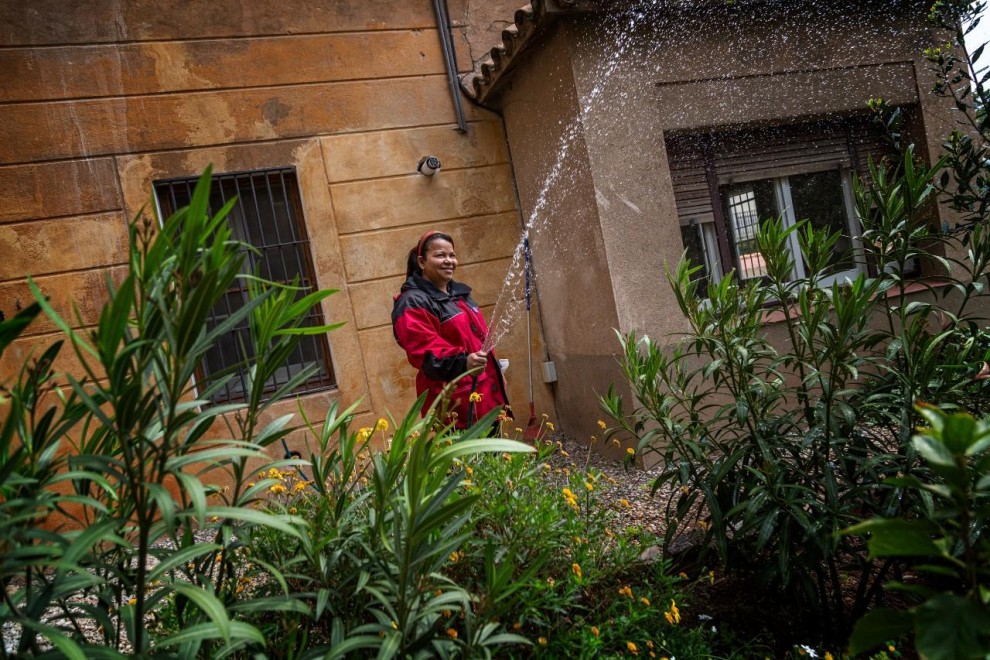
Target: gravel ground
column 629, row 482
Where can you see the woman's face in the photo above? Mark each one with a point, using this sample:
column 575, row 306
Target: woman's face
column 439, row 263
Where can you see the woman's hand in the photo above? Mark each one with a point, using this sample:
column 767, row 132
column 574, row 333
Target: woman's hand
column 478, row 359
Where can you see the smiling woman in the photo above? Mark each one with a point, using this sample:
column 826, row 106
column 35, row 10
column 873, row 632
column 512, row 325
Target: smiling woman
column 442, row 331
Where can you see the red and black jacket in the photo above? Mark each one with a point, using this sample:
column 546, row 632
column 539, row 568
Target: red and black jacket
column 437, row 332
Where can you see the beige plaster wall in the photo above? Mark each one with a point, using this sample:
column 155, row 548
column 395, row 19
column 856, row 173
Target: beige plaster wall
column 569, row 254
column 682, row 71
column 98, row 100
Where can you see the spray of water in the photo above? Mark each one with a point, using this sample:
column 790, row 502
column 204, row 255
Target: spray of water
column 778, row 36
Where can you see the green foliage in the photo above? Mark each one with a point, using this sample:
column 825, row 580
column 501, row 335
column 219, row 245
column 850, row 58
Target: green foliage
column 125, row 454
column 382, row 527
column 550, row 556
column 771, row 447
column 949, row 544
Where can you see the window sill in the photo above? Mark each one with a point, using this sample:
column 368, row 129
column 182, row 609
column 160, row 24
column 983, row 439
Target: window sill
column 776, row 314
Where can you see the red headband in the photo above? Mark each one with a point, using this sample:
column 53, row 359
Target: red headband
column 419, row 246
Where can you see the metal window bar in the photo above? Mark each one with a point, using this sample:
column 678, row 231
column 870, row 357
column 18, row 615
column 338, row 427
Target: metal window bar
column 256, row 220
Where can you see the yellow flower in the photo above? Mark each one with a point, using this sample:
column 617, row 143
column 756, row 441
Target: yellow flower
column 615, row 441
column 576, row 569
column 891, row 648
column 594, row 631
column 456, row 556
column 632, row 648
column 601, row 424
column 673, row 615
column 645, row 601
column 568, row 493
column 626, row 591
column 277, row 489
column 300, row 486
column 589, row 485
column 292, row 511
column 469, row 470
column 828, row 656
column 275, row 474
column 630, row 451
column 649, row 645
column 550, row 425
column 364, row 433
column 132, row 601
column 475, row 397
column 451, row 633
column 542, row 641
column 381, row 424
column 624, row 503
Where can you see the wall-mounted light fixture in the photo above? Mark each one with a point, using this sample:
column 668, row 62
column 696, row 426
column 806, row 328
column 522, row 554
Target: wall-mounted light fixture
column 428, row 165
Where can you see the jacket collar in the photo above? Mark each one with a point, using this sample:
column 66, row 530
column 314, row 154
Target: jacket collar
column 457, row 289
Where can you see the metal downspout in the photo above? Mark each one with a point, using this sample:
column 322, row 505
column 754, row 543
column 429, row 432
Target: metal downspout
column 447, row 44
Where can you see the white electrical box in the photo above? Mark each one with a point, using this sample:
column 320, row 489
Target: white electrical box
column 549, row 372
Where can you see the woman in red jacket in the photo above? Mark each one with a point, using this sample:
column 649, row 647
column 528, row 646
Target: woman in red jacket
column 442, row 332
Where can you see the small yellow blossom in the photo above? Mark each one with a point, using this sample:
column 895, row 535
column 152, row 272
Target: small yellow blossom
column 456, row 556
column 590, row 486
column 649, row 645
column 542, row 641
column 652, row 654
column 364, row 433
column 517, row 625
column 300, row 486
column 645, row 601
column 632, row 648
column 615, row 441
column 828, row 656
column 594, row 631
column 576, row 569
column 626, row 591
column 292, row 511
column 601, row 424
column 250, row 484
column 630, row 451
column 624, row 503
column 469, row 470
column 564, row 453
column 891, row 648
column 132, row 601
column 277, row 489
column 550, row 425
column 475, row 397
column 451, row 633
column 673, row 615
column 381, row 424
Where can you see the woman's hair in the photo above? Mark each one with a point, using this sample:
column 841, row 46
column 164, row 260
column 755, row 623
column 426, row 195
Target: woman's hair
column 412, row 263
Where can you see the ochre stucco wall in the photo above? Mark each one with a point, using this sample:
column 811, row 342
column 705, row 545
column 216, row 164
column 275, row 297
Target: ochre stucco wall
column 98, row 100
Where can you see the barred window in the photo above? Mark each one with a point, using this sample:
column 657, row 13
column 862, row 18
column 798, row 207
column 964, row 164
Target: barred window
column 267, row 216
column 727, row 182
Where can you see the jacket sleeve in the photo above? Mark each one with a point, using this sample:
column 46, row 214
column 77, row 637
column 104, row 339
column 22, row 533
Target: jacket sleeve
column 418, row 332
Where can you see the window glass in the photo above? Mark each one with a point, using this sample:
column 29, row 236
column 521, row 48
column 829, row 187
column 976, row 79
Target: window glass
column 747, row 205
column 819, row 198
